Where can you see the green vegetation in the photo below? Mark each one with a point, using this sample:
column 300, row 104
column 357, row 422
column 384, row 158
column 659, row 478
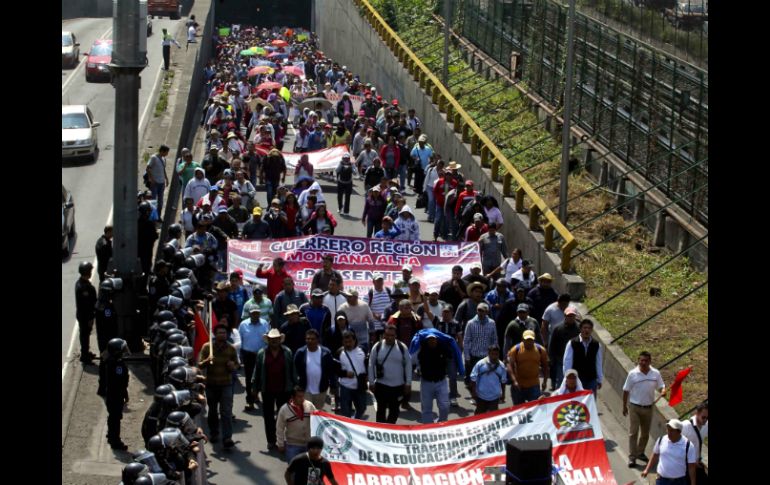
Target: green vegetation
column 162, row 104
column 611, row 266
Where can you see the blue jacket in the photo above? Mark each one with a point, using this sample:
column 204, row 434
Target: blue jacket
column 328, row 368
column 444, row 339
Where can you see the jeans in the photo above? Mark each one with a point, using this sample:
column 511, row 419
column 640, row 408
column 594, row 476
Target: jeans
column 431, row 209
column 402, row 175
column 525, row 394
column 372, row 226
column 672, row 481
column 557, row 371
column 271, row 186
column 451, row 222
column 388, row 400
column 440, row 224
column 249, row 360
column 452, row 372
column 157, row 194
column 390, row 173
column 350, row 398
column 430, row 390
column 590, row 385
column 220, row 403
column 344, row 190
column 293, row 450
column 270, row 404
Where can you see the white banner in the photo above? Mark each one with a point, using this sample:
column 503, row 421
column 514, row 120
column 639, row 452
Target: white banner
column 325, row 160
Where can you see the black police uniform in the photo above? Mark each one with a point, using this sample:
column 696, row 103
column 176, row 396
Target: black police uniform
column 85, row 310
column 159, row 286
column 103, row 255
column 106, row 321
column 113, row 387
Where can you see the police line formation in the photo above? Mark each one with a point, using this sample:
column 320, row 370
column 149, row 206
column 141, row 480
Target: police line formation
column 299, row 353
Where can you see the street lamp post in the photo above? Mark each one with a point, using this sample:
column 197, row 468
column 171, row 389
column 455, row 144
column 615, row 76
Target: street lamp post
column 567, row 115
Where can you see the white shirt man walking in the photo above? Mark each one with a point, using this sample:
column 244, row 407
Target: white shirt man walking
column 677, row 456
column 639, row 393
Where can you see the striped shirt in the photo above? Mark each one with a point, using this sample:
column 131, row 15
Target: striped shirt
column 478, row 337
column 381, row 301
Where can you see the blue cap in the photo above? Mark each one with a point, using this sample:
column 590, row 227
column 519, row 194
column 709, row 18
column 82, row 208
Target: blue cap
column 214, row 187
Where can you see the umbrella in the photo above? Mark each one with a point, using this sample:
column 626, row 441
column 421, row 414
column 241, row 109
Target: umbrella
column 224, row 31
column 285, row 94
column 311, row 102
column 296, row 70
column 258, row 50
column 248, row 52
column 263, row 62
column 256, row 100
column 270, row 85
column 279, row 43
column 254, row 71
column 278, row 55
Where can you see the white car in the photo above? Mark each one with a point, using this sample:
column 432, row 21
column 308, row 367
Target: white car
column 70, row 49
column 78, row 132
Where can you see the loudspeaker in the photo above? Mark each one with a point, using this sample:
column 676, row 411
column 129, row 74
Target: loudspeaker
column 528, row 461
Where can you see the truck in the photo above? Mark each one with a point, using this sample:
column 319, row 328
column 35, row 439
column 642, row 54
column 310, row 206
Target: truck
column 165, row 8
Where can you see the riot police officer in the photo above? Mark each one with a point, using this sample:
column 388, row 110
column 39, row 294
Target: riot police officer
column 104, row 251
column 113, row 387
column 150, row 425
column 160, row 282
column 106, row 317
column 85, row 310
column 174, row 235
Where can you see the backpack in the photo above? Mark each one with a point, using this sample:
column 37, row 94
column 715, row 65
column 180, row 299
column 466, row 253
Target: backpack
column 371, row 294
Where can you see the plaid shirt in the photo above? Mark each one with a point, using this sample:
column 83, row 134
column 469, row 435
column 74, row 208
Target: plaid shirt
column 478, row 337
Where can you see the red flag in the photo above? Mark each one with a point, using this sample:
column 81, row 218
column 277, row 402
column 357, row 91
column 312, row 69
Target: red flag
column 676, row 387
column 201, row 334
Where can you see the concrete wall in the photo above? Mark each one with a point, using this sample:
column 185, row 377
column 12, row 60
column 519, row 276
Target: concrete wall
column 349, row 39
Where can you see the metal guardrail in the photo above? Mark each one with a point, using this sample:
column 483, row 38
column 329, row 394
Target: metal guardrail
column 491, row 156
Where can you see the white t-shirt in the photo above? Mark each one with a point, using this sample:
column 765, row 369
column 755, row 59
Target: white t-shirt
column 494, row 215
column 191, row 34
column 313, row 370
column 641, row 387
column 672, row 459
column 510, row 267
column 357, row 356
column 435, row 310
column 688, row 431
column 554, row 316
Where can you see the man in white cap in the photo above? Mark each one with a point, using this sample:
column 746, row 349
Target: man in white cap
column 678, row 457
column 406, row 275
column 475, row 276
column 639, row 399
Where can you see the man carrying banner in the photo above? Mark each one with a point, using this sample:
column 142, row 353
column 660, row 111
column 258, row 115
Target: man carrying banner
column 488, row 381
column 390, row 376
column 293, row 424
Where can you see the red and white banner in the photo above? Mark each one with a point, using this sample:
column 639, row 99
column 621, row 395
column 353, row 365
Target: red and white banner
column 357, row 100
column 457, row 452
column 357, row 258
column 325, row 160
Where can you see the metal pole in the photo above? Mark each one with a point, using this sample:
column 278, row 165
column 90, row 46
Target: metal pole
column 447, row 22
column 127, row 62
column 565, row 133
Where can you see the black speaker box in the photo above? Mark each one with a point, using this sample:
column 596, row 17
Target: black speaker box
column 529, row 462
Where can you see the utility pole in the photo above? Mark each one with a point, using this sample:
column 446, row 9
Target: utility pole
column 127, row 63
column 447, row 23
column 567, row 115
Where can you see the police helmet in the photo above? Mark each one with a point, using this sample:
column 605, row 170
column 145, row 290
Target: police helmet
column 155, row 443
column 132, row 471
column 175, row 231
column 117, row 347
column 162, row 391
column 167, row 326
column 177, row 377
column 145, row 208
column 85, row 268
column 177, row 339
column 173, row 364
column 165, row 316
column 168, row 252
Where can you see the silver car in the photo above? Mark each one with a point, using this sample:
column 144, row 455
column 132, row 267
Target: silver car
column 78, row 133
column 70, row 49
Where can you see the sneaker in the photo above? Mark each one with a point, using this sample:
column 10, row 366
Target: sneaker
column 228, row 443
column 631, row 462
column 642, row 456
column 453, row 403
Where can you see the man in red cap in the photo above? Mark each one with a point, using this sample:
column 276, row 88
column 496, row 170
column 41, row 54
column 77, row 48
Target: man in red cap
column 369, row 107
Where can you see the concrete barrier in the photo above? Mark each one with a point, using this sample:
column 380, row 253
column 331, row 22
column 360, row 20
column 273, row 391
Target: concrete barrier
column 349, row 39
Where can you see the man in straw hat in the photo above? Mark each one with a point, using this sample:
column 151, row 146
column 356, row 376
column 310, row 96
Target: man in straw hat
column 219, row 364
column 274, row 377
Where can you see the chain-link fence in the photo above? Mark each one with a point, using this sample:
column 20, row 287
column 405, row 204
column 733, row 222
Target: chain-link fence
column 659, row 117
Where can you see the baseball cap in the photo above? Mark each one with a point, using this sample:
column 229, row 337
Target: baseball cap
column 352, row 293
column 478, row 217
column 318, row 292
column 469, row 182
column 674, row 424
column 255, row 308
column 545, row 276
column 257, row 211
column 476, row 266
column 377, row 276
column 214, row 187
column 422, row 138
column 432, row 291
column 406, row 267
column 528, row 335
column 523, row 307
column 570, row 311
column 414, row 281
